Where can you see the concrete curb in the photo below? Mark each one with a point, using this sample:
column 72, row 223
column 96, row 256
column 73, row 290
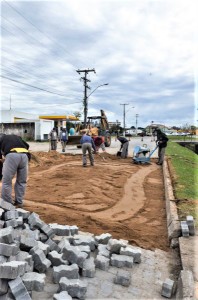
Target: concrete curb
column 185, row 285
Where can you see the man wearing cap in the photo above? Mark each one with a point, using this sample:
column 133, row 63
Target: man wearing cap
column 16, row 154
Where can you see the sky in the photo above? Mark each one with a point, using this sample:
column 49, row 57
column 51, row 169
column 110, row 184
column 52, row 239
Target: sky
column 145, row 50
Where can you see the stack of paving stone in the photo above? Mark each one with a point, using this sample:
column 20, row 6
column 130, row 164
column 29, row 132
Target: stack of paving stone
column 29, row 248
column 188, row 226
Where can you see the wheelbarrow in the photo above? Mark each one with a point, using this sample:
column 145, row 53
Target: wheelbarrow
column 142, row 155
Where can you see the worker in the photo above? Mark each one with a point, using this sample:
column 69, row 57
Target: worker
column 161, row 141
column 63, row 138
column 99, row 143
column 124, row 146
column 87, row 144
column 53, row 137
column 15, row 151
column 1, row 166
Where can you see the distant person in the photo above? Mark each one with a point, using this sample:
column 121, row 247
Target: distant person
column 99, row 143
column 87, row 144
column 63, row 138
column 72, row 131
column 15, row 151
column 53, row 137
column 161, row 141
column 124, row 146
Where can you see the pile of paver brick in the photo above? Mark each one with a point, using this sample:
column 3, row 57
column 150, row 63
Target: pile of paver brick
column 29, row 248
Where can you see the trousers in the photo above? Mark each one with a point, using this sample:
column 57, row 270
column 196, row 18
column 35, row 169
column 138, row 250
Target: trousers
column 87, row 147
column 125, row 147
column 14, row 164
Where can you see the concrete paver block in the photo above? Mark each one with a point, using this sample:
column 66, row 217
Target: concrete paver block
column 44, row 247
column 84, row 241
column 123, row 278
column 9, row 249
column 85, row 249
column 57, row 259
column 27, row 243
column 13, row 269
column 191, row 224
column 103, row 238
column 6, row 235
column 167, row 288
column 13, row 223
column 102, row 250
column 6, row 205
column 34, row 281
column 184, row 228
column 76, row 288
column 11, row 214
column 23, row 213
column 114, row 245
column 18, row 289
column 121, row 261
column 60, row 230
column 52, row 245
column 41, row 263
column 74, row 255
column 34, row 221
column 71, row 272
column 63, row 243
column 62, row 296
column 2, row 223
column 132, row 251
column 89, row 268
column 3, row 286
column 74, row 229
column 185, row 285
column 46, row 229
column 102, row 262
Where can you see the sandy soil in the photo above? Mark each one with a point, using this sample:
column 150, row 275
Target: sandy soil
column 114, row 196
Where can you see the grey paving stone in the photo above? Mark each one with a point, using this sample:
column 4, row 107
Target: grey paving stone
column 114, row 245
column 123, row 278
column 74, row 255
column 47, row 230
column 75, row 287
column 102, row 262
column 62, row 296
column 23, row 213
column 71, row 272
column 103, row 238
column 3, row 286
column 34, row 281
column 57, row 259
column 6, row 235
column 44, row 247
column 34, row 221
column 121, row 261
column 167, row 288
column 27, row 243
column 52, row 245
column 60, row 230
column 10, row 270
column 41, row 263
column 89, row 269
column 11, row 214
column 132, row 251
column 18, row 289
column 102, row 250
column 6, row 205
column 184, row 228
column 191, row 224
column 84, row 241
column 9, row 249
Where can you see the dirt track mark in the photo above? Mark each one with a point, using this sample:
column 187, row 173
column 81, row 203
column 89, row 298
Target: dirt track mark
column 129, row 204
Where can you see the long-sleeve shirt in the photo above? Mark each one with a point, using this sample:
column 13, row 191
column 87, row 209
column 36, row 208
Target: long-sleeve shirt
column 87, row 139
column 10, row 141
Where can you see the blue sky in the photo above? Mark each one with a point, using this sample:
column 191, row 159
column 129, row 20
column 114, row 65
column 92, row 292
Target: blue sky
column 146, row 51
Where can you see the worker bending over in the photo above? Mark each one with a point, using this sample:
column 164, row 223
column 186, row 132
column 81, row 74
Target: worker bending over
column 87, row 145
column 161, row 141
column 15, row 151
column 124, row 146
column 99, row 143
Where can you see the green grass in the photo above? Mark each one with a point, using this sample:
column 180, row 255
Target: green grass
column 184, row 171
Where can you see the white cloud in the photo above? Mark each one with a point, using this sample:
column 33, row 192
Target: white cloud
column 145, row 50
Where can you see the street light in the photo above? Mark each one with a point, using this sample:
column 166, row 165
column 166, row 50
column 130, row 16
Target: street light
column 86, row 104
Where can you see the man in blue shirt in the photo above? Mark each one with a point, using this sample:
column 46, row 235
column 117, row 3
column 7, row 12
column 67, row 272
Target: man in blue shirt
column 87, row 145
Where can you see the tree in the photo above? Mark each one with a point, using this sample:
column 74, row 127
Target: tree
column 77, row 114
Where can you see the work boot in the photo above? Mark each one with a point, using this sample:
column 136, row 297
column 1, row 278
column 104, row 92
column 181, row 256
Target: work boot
column 18, row 205
column 84, row 165
column 92, row 164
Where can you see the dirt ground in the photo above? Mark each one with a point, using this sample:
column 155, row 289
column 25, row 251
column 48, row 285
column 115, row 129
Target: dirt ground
column 115, row 196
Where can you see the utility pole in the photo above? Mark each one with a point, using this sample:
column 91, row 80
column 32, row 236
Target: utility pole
column 136, row 122
column 124, row 113
column 10, row 101
column 86, row 71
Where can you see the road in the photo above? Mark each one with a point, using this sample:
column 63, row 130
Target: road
column 115, row 146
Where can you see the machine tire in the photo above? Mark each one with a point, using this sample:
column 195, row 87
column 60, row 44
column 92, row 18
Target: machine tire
column 107, row 140
column 79, row 146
